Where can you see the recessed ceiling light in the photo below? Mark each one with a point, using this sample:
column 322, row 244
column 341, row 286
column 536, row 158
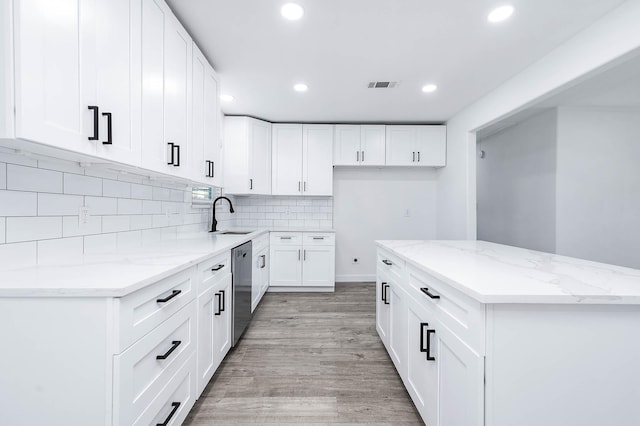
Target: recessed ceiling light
column 300, row 87
column 500, row 14
column 292, row 11
column 429, row 88
column 226, row 98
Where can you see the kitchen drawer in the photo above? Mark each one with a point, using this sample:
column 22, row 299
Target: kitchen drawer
column 174, row 402
column 144, row 369
column 140, row 312
column 392, row 264
column 260, row 243
column 319, row 239
column 213, row 270
column 286, row 238
column 464, row 316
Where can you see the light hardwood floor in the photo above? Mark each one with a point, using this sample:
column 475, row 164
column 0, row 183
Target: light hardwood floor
column 308, row 358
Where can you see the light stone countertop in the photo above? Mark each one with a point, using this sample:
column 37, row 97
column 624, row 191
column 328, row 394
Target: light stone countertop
column 496, row 273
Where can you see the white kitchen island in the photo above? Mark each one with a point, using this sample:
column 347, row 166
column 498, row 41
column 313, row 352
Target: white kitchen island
column 488, row 334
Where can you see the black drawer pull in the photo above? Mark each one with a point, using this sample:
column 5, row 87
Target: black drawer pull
column 178, row 156
column 428, row 293
column 318, row 238
column 217, row 268
column 169, row 297
column 174, row 346
column 387, row 262
column 264, row 261
column 218, row 296
column 384, row 292
column 95, row 124
column 426, row 350
column 285, row 238
column 175, row 406
column 222, row 299
column 171, row 148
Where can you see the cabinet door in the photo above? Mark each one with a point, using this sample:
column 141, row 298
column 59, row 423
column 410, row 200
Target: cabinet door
column 256, row 278
column 401, row 146
column 286, row 159
column 117, row 64
column 236, row 155
column 422, row 373
column 318, row 266
column 431, row 145
column 154, row 144
column 286, row 266
column 317, row 159
column 260, row 158
column 461, row 381
column 212, row 151
column 207, row 307
column 199, row 165
column 382, row 309
column 372, row 145
column 222, row 321
column 177, row 92
column 264, row 285
column 51, row 95
column 398, row 327
column 346, row 145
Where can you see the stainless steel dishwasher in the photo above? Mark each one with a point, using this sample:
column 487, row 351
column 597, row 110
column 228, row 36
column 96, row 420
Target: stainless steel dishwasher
column 241, row 270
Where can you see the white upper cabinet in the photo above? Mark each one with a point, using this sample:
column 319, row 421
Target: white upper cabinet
column 416, row 145
column 205, row 114
column 317, row 159
column 356, row 145
column 166, row 90
column 303, row 159
column 287, row 159
column 247, row 156
column 75, row 64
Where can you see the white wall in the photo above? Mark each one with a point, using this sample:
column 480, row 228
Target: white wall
column 605, row 42
column 370, row 204
column 516, row 184
column 598, row 185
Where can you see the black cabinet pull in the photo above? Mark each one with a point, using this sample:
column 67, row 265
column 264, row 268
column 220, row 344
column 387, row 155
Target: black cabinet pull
column 178, row 156
column 264, row 261
column 222, row 299
column 175, row 406
column 414, row 157
column 422, row 326
column 429, row 357
column 171, row 148
column 169, row 297
column 217, row 268
column 418, row 156
column 386, row 294
column 362, row 156
column 426, row 350
column 387, row 262
column 251, row 184
column 318, row 238
column 109, row 140
column 428, row 293
column 208, row 169
column 174, row 346
column 96, row 135
column 382, row 291
column 218, row 297
column 213, row 169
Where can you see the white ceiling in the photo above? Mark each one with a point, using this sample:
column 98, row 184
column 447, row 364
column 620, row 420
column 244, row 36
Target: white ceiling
column 340, row 45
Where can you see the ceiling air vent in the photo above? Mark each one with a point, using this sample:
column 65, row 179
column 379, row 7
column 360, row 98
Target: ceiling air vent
column 383, row 84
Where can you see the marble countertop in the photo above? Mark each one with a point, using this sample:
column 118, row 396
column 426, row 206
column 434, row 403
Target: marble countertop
column 496, row 273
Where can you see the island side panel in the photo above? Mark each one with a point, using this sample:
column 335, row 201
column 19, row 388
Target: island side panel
column 54, row 367
column 559, row 365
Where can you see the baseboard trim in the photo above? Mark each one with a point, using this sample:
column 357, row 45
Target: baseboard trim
column 355, row 278
column 301, row 289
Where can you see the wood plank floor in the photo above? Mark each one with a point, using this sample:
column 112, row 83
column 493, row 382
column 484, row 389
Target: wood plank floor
column 308, row 358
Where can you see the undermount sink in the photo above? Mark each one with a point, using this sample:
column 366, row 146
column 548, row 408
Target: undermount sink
column 235, row 233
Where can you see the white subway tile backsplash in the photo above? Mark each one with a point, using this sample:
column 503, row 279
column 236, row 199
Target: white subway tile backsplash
column 311, row 223
column 114, row 188
column 101, row 173
column 115, row 223
column 33, row 228
column 126, row 206
column 3, row 176
column 169, row 234
column 61, row 166
column 151, row 236
column 161, row 194
column 60, row 251
column 326, row 223
column 18, row 255
column 71, row 226
column 160, row 220
column 102, row 243
column 82, row 185
column 177, row 195
column 283, row 223
column 21, row 178
column 303, row 202
column 141, row 192
column 312, row 209
column 11, row 158
column 59, row 204
column 101, row 206
column 17, row 203
column 143, row 221
column 151, row 207
column 131, row 239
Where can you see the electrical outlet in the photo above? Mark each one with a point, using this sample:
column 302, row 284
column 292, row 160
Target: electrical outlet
column 83, row 215
column 355, row 260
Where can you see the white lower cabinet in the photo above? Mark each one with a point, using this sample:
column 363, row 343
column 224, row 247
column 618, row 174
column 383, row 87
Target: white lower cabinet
column 305, row 260
column 442, row 373
column 260, row 275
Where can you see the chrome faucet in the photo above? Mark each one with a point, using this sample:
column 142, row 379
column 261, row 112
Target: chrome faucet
column 214, row 222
